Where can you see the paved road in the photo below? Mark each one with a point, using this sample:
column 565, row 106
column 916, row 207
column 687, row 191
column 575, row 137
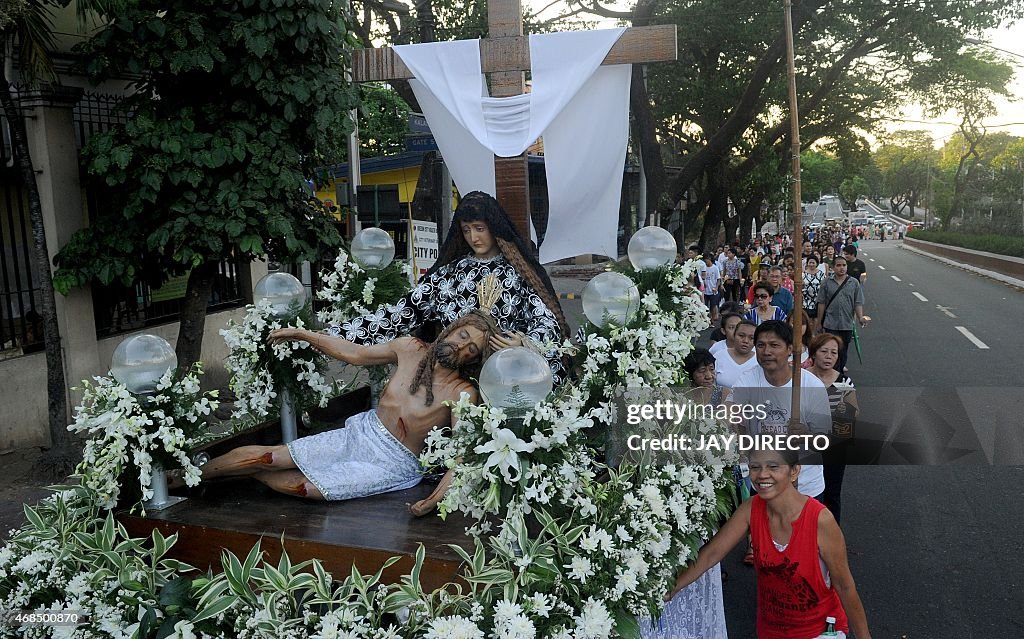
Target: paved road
column 942, row 343
column 935, row 549
column 819, row 213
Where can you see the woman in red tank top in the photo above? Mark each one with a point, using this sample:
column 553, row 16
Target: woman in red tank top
column 796, row 542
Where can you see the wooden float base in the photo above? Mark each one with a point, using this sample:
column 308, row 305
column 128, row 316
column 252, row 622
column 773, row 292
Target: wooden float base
column 236, row 514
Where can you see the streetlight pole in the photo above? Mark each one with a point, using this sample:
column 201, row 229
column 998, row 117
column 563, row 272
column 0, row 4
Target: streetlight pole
column 982, row 43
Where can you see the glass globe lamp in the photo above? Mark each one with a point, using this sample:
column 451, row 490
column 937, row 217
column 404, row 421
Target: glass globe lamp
column 515, row 379
column 610, row 298
column 651, row 247
column 140, row 361
column 283, row 291
column 373, row 248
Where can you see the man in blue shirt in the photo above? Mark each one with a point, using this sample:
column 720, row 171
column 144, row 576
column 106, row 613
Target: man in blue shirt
column 781, row 298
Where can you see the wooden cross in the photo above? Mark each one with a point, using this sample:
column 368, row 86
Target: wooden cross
column 506, row 55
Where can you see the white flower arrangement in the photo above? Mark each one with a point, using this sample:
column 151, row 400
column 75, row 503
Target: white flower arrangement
column 123, row 429
column 611, row 540
column 72, row 557
column 352, row 291
column 582, row 550
column 259, row 370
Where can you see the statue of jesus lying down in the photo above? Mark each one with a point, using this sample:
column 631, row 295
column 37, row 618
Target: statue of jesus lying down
column 377, row 450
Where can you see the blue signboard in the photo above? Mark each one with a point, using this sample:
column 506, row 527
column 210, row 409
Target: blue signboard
column 420, row 143
column 418, row 123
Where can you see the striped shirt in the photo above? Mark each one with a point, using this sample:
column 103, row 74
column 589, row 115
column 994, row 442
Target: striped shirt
column 777, row 314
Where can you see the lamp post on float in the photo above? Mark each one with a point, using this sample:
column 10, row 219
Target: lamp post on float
column 515, row 379
column 139, row 362
column 286, row 296
column 610, row 299
column 374, row 249
column 651, row 247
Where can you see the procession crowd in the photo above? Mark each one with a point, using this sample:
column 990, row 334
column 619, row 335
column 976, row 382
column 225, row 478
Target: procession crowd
column 791, row 525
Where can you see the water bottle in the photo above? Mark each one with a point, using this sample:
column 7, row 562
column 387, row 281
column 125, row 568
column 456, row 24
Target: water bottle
column 830, row 627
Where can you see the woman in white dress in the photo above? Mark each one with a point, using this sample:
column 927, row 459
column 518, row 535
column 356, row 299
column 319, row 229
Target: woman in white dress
column 697, row 611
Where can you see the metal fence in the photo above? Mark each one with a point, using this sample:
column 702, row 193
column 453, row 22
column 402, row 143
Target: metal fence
column 20, row 320
column 117, row 308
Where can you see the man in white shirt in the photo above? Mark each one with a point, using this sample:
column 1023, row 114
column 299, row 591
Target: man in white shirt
column 711, row 278
column 770, row 384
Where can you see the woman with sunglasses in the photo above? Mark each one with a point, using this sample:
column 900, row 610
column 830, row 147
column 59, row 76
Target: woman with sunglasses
column 763, row 309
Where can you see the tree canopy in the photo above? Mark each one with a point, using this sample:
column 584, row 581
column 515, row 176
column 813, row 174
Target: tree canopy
column 235, row 104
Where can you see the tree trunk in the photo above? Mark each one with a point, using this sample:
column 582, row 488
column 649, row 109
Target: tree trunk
column 189, row 348
column 746, row 215
column 56, row 388
column 732, row 224
column 718, row 208
column 644, row 130
column 694, row 209
column 958, row 189
column 426, row 21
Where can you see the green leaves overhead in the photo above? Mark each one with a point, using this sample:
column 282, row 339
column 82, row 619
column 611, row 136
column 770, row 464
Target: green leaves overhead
column 234, row 104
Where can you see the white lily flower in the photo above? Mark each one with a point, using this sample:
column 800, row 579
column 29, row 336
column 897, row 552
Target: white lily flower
column 504, row 449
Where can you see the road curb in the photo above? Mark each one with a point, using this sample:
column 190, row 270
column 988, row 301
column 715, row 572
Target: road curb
column 999, row 277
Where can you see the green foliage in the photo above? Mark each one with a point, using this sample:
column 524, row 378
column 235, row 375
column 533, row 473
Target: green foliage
column 724, row 97
column 966, row 82
column 851, row 188
column 904, row 162
column 10, row 10
column 235, row 104
column 383, row 121
column 70, row 555
column 999, row 244
column 820, row 174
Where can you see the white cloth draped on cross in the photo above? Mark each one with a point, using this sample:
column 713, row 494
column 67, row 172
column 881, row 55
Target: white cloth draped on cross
column 580, row 108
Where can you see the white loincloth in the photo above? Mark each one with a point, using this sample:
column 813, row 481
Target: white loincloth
column 359, row 460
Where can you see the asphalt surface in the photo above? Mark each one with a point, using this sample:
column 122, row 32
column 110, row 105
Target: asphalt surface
column 934, row 547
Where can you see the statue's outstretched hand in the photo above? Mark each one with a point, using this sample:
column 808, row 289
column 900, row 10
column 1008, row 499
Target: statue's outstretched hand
column 427, row 506
column 286, row 335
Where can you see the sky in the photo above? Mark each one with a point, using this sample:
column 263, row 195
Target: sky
column 1010, row 115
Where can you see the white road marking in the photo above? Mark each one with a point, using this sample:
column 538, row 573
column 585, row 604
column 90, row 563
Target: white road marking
column 881, row 268
column 895, row 278
column 945, row 310
column 974, row 340
column 919, row 296
column 871, row 259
